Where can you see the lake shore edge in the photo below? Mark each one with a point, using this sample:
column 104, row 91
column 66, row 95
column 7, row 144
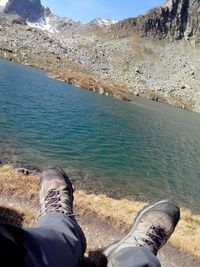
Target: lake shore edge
column 98, row 84
column 119, row 212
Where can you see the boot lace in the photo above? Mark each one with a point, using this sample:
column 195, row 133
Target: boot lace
column 154, row 238
column 52, row 201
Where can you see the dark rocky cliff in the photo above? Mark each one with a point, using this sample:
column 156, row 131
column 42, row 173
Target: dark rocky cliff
column 30, row 10
column 174, row 20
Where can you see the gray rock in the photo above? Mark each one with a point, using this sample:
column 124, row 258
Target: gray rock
column 26, row 9
column 174, row 20
column 24, row 171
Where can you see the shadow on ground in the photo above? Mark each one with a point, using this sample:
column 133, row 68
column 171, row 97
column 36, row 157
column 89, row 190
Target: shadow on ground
column 11, row 216
column 95, row 259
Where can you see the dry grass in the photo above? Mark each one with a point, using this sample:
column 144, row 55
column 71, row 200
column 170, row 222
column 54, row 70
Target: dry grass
column 20, row 216
column 17, row 185
column 181, row 102
column 93, row 83
column 155, row 96
column 120, row 212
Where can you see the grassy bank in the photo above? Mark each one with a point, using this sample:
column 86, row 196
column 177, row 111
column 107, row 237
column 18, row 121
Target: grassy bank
column 120, row 212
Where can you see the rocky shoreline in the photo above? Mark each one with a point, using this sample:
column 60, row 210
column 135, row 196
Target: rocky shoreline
column 93, row 83
column 79, row 179
column 106, row 63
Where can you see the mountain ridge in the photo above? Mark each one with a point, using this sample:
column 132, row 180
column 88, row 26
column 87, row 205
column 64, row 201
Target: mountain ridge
column 174, row 20
column 34, row 14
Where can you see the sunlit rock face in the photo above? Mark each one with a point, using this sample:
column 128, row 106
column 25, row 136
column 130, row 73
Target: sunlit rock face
column 175, row 19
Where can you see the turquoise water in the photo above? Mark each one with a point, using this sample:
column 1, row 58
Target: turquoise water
column 142, row 149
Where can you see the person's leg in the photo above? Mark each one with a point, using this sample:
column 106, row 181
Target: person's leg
column 133, row 257
column 56, row 239
column 11, row 245
column 152, row 228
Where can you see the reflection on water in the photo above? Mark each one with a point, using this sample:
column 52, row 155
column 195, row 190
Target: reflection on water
column 141, row 149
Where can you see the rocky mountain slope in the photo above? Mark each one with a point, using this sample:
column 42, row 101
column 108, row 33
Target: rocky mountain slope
column 155, row 55
column 175, row 20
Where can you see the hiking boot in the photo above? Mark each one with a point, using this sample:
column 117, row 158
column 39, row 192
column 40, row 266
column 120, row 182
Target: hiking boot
column 56, row 192
column 152, row 227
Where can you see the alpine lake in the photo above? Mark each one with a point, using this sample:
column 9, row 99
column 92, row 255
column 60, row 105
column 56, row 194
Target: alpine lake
column 141, row 149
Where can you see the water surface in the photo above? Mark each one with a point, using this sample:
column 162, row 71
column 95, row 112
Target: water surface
column 140, row 149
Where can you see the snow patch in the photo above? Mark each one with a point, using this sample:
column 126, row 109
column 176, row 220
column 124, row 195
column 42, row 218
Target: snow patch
column 102, row 22
column 54, row 24
column 3, row 2
column 42, row 24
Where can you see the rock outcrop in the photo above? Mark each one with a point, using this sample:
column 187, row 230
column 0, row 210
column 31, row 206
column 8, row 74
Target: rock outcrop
column 174, row 20
column 99, row 22
column 28, row 10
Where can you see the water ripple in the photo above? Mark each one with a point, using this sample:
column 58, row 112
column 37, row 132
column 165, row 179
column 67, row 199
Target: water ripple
column 142, row 150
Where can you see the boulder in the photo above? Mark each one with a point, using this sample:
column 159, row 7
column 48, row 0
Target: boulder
column 24, row 171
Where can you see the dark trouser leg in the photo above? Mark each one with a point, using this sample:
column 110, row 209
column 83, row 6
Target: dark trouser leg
column 12, row 251
column 133, row 257
column 55, row 241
